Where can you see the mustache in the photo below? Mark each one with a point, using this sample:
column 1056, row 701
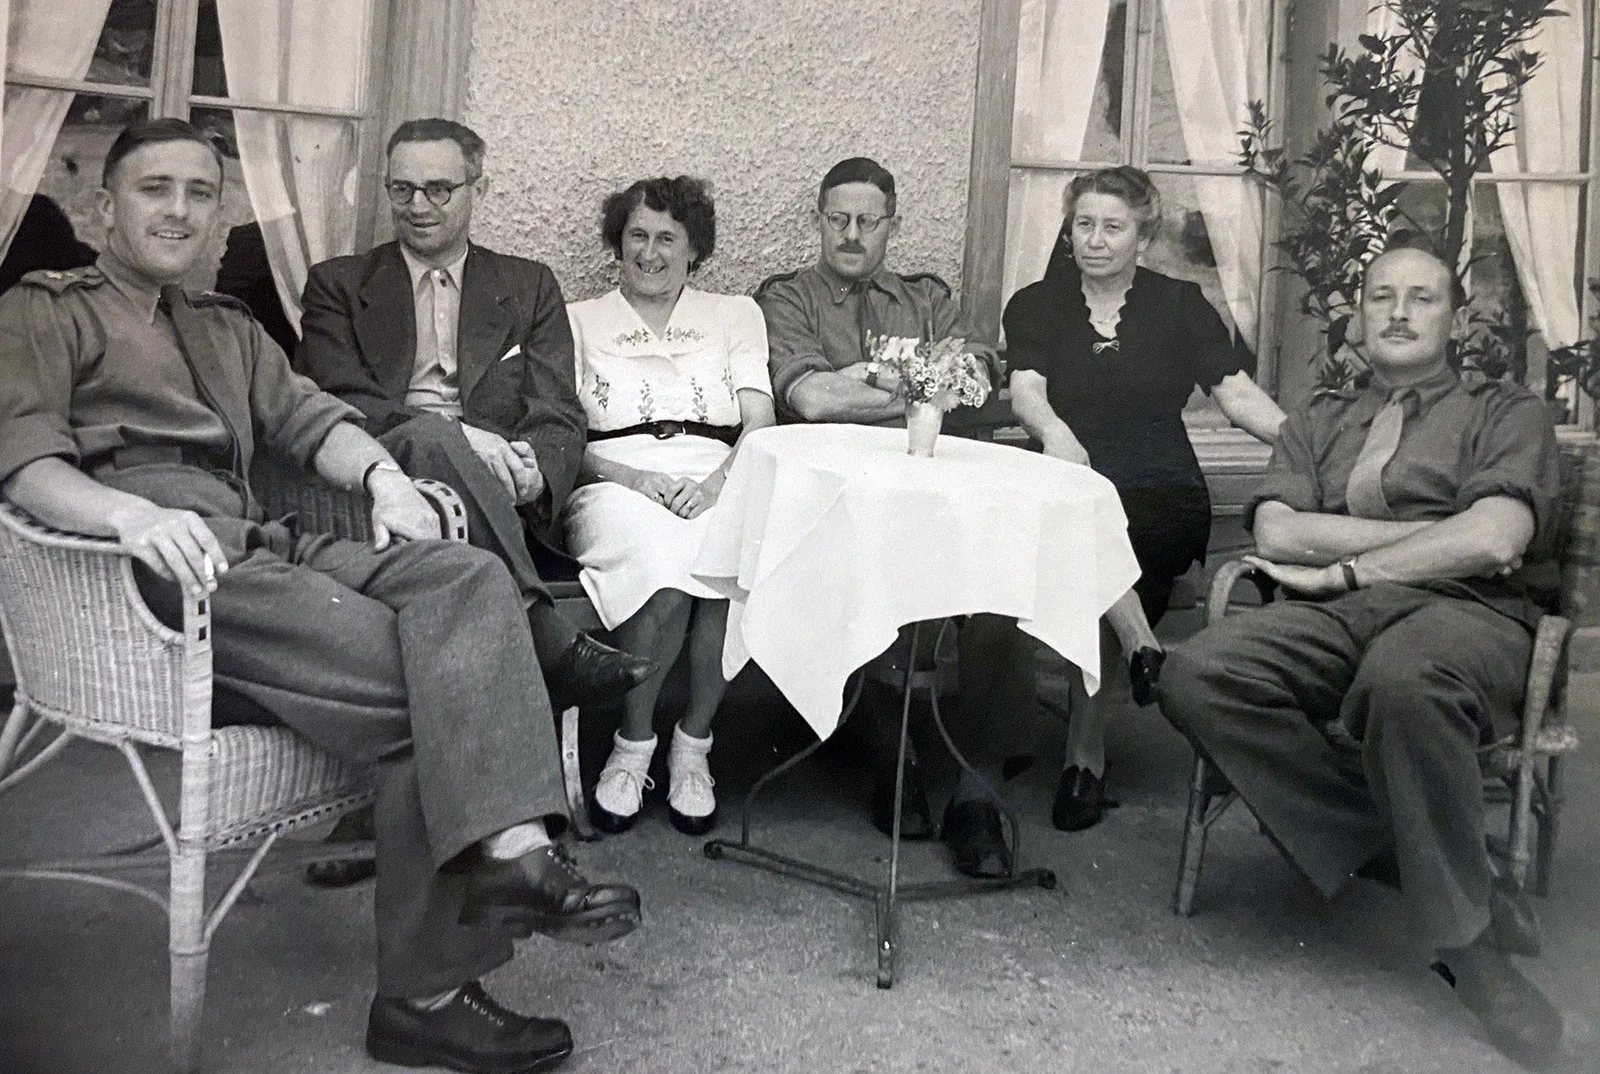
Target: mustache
column 1398, row 331
column 852, row 248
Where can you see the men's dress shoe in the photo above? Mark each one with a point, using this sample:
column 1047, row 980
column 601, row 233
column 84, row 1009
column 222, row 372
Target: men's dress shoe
column 976, row 839
column 1513, row 922
column 340, row 872
column 916, row 817
column 471, row 1033
column 592, row 673
column 1081, row 800
column 543, row 892
column 1517, row 1017
column 1144, row 674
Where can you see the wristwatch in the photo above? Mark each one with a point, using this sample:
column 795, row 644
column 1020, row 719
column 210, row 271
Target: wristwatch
column 1348, row 567
column 381, row 464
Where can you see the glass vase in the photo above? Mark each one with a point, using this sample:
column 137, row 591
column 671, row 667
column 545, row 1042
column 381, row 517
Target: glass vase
column 922, row 428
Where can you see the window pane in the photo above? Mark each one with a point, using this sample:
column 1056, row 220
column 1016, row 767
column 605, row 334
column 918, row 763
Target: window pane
column 60, row 226
column 49, row 42
column 1198, row 93
column 1069, row 101
column 306, row 52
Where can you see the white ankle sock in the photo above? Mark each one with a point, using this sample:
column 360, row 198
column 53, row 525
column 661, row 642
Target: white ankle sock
column 516, row 841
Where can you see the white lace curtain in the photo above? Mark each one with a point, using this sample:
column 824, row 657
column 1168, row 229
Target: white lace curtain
column 1219, row 65
column 50, row 38
column 300, row 171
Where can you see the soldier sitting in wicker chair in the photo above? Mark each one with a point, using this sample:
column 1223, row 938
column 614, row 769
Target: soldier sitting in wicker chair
column 131, row 409
column 1410, row 519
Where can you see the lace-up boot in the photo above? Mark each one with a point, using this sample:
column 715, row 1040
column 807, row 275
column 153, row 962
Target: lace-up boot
column 470, row 1033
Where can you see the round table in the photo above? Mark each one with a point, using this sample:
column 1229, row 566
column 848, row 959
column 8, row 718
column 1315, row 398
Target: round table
column 829, row 538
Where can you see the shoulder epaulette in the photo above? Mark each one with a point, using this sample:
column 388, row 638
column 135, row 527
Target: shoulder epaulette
column 217, row 298
column 934, row 278
column 57, row 281
column 782, row 277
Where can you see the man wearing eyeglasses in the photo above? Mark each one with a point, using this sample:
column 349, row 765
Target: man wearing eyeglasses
column 461, row 359
column 819, row 320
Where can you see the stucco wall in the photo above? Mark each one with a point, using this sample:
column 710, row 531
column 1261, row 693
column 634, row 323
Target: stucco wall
column 580, row 97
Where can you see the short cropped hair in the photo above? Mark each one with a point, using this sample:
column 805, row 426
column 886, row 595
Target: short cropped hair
column 153, row 132
column 858, row 170
column 1132, row 185
column 443, row 130
column 1407, row 239
column 686, row 199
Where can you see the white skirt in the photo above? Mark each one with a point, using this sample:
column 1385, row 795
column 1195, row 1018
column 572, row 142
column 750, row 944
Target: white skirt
column 630, row 545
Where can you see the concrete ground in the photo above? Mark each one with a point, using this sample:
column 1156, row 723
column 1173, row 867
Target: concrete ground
column 736, row 970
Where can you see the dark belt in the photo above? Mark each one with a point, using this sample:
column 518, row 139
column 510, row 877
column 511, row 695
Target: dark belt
column 665, row 430
column 202, row 458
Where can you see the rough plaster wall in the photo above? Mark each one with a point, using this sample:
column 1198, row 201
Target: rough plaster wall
column 577, row 98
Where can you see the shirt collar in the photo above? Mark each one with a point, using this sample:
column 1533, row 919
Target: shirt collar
column 840, row 288
column 418, row 270
column 142, row 293
column 1425, row 392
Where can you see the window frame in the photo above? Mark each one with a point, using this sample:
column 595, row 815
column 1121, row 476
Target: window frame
column 419, row 53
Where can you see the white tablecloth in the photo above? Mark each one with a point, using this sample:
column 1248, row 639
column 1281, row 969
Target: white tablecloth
column 829, row 538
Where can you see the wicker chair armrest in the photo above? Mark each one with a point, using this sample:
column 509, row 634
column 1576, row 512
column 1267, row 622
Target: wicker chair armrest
column 1549, row 643
column 321, row 507
column 1228, row 577
column 75, row 620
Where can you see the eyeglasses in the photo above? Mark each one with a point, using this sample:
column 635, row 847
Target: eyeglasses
column 437, row 191
column 866, row 223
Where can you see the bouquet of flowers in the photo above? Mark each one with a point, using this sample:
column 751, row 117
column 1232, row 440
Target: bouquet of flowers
column 941, row 373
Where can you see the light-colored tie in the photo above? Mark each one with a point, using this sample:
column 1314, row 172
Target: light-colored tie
column 1363, row 494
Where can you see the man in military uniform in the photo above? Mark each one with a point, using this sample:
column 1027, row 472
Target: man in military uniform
column 130, row 409
column 1407, row 518
column 819, row 320
column 461, row 359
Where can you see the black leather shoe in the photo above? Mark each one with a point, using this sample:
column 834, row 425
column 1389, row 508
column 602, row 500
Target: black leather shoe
column 543, row 892
column 1382, row 868
column 341, row 872
column 976, row 839
column 1081, row 800
column 471, row 1033
column 1144, row 674
column 916, row 817
column 1517, row 1017
column 592, row 673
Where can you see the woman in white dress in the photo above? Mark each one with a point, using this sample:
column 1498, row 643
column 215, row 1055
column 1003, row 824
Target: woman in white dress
column 671, row 379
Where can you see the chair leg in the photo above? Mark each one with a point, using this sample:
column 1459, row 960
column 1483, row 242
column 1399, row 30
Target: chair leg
column 1190, row 857
column 1519, row 829
column 577, row 806
column 188, row 949
column 1547, row 818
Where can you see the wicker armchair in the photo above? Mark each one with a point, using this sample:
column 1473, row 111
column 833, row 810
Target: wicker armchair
column 1523, row 771
column 93, row 662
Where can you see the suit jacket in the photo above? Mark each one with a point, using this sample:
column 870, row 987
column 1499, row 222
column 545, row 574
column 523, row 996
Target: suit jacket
column 359, row 341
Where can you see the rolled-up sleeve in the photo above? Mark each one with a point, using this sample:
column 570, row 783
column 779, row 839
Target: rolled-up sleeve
column 1291, row 477
column 37, row 343
column 747, row 345
column 794, row 346
column 292, row 415
column 1516, row 456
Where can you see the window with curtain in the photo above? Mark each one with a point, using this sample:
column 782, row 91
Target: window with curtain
column 284, row 87
column 1099, row 82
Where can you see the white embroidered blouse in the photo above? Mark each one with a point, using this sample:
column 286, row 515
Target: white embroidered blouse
column 627, row 375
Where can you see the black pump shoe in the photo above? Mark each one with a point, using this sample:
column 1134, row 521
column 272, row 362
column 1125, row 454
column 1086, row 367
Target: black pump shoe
column 1081, row 800
column 1144, row 674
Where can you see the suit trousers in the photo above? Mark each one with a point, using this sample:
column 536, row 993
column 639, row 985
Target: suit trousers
column 413, row 659
column 1354, row 724
column 433, row 446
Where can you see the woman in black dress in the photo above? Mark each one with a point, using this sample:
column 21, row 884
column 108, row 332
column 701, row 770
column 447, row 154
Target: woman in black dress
column 1103, row 356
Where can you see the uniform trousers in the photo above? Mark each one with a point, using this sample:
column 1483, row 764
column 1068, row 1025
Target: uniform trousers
column 414, row 659
column 1355, row 724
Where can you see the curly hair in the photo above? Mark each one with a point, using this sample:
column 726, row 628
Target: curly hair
column 1131, row 184
column 686, row 199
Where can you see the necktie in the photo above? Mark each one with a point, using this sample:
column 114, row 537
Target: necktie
column 194, row 343
column 1363, row 494
column 864, row 323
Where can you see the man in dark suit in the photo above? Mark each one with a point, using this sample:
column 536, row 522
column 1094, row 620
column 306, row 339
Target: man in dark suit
column 461, row 360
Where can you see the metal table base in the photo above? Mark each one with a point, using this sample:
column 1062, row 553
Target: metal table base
column 886, row 896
